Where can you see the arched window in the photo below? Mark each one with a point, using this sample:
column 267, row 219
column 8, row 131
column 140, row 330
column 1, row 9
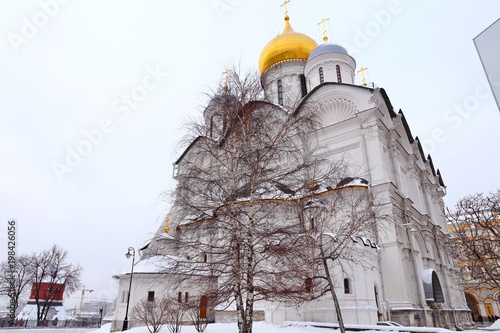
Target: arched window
column 280, row 93
column 339, row 76
column 347, row 286
column 321, row 75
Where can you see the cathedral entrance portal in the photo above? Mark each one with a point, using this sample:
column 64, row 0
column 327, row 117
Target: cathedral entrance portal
column 473, row 306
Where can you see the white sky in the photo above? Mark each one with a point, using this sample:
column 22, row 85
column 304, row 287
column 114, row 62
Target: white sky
column 70, row 74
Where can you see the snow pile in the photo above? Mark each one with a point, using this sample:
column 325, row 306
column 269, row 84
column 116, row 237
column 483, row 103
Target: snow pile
column 156, row 264
column 29, row 312
column 169, row 264
column 495, row 326
column 352, row 181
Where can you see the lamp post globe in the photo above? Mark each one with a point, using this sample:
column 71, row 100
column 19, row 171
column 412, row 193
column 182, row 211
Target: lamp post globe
column 130, row 253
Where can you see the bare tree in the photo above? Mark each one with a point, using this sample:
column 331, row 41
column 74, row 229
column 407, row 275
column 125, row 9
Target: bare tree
column 175, row 315
column 22, row 272
column 53, row 274
column 475, row 224
column 246, row 164
column 153, row 314
column 339, row 230
column 198, row 317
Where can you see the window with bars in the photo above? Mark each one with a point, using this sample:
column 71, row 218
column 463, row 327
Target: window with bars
column 321, row 75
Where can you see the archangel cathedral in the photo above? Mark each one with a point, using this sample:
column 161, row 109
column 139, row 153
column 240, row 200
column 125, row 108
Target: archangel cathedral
column 411, row 279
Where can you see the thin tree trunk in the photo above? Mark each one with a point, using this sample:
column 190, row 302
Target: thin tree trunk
column 332, row 291
column 250, row 289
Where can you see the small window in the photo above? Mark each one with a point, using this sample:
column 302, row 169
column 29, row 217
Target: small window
column 339, row 76
column 347, row 286
column 321, row 75
column 124, row 296
column 179, row 297
column 280, row 93
column 186, row 297
column 303, row 84
column 311, row 223
column 309, row 285
column 205, row 257
column 151, row 296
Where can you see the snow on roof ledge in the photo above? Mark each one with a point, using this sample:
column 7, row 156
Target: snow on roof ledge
column 352, row 181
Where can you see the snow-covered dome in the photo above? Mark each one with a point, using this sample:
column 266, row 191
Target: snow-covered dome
column 327, row 48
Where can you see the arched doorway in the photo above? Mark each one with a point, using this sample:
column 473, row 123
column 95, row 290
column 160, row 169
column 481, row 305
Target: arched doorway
column 203, row 307
column 432, row 286
column 473, row 306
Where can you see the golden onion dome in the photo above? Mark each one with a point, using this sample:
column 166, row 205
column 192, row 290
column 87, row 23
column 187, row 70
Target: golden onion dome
column 289, row 45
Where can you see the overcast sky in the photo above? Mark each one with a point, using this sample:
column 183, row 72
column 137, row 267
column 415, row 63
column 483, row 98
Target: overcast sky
column 93, row 96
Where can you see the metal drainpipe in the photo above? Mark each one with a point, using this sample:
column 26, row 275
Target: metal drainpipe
column 415, row 266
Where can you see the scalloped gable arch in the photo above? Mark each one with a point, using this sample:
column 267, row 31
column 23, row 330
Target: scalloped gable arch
column 337, row 102
column 336, row 110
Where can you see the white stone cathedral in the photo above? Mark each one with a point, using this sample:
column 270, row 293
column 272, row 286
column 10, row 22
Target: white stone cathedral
column 413, row 283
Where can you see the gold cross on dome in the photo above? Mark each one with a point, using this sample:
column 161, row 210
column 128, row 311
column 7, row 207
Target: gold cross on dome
column 323, row 21
column 362, row 71
column 284, row 5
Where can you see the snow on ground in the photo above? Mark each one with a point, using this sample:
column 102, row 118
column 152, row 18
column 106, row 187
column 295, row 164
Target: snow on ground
column 259, row 327
column 296, row 327
column 496, row 325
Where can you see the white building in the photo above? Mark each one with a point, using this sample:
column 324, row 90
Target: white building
column 413, row 281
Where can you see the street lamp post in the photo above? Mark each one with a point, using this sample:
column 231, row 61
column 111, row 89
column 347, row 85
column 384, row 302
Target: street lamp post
column 128, row 255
